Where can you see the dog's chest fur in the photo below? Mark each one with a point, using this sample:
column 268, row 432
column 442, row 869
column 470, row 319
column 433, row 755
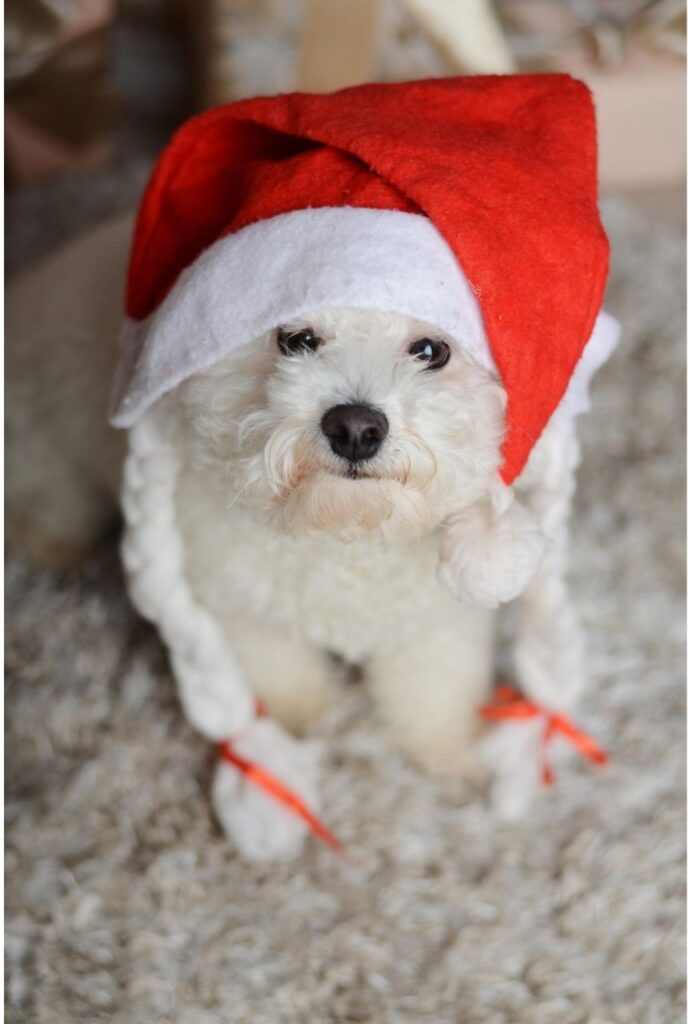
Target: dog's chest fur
column 355, row 598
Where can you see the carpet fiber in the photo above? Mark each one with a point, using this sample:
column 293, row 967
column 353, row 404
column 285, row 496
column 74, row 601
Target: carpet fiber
column 124, row 903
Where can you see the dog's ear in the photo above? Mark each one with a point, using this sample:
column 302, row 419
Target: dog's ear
column 491, row 550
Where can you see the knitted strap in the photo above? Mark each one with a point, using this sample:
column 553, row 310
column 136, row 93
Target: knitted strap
column 548, row 649
column 211, row 686
column 548, row 652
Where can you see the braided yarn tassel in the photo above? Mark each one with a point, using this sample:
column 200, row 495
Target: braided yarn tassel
column 548, row 652
column 212, row 690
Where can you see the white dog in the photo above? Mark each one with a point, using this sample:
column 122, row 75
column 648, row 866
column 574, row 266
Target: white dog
column 327, row 470
column 325, row 457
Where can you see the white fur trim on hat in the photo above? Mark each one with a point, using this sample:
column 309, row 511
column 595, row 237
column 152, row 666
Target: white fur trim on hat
column 285, row 267
column 278, row 269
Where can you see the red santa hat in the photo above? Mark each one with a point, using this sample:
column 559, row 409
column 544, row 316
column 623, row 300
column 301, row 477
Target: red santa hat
column 470, row 203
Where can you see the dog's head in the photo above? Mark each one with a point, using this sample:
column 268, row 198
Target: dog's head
column 349, row 421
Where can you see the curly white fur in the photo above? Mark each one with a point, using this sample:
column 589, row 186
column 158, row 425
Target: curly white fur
column 256, row 417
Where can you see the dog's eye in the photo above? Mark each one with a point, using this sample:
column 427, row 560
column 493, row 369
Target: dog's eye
column 291, row 343
column 432, row 354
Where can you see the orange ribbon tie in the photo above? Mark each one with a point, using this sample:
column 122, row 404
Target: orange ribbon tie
column 509, row 704
column 258, row 776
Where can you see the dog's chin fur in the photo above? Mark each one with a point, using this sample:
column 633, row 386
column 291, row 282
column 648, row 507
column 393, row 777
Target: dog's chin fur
column 254, row 421
column 349, row 508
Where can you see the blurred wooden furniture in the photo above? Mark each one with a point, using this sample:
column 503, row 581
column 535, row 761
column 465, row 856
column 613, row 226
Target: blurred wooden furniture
column 632, row 61
column 339, row 43
column 59, row 103
column 340, row 39
column 467, row 32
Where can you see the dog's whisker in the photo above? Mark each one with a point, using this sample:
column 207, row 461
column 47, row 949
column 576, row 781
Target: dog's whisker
column 238, row 494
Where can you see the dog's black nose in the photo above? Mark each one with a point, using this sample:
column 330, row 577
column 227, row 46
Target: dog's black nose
column 354, row 431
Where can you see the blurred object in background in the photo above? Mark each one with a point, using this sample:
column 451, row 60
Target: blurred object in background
column 340, row 39
column 630, row 52
column 93, row 82
column 339, row 43
column 543, row 33
column 89, row 82
column 632, row 55
column 59, row 108
column 254, row 47
column 144, row 70
column 151, row 61
column 469, row 34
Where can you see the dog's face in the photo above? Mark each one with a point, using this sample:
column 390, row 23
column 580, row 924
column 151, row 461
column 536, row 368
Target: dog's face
column 349, row 421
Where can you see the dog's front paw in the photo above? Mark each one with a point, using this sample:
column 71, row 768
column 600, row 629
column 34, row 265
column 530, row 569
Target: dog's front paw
column 488, row 559
column 262, row 827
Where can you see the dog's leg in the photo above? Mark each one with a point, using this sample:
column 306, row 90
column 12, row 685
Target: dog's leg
column 296, row 680
column 429, row 692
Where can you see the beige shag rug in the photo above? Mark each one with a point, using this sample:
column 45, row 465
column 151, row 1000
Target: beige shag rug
column 125, row 904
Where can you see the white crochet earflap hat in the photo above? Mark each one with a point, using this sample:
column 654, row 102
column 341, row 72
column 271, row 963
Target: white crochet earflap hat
column 467, row 203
